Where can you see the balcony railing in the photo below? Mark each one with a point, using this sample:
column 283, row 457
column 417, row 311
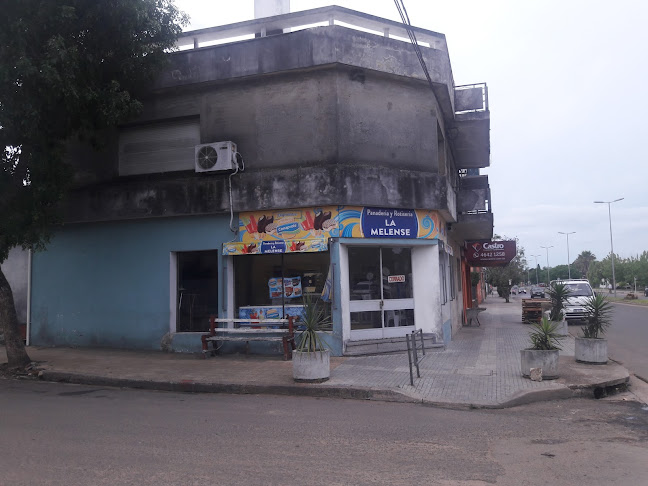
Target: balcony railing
column 295, row 21
column 471, row 98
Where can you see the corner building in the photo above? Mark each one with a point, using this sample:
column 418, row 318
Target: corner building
column 348, row 177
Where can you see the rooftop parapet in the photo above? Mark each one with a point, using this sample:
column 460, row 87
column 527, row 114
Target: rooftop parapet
column 295, row 21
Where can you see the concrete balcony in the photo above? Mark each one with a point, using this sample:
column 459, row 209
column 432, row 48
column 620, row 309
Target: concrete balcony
column 470, row 134
column 474, row 218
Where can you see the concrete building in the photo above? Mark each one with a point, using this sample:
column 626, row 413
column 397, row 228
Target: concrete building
column 335, row 162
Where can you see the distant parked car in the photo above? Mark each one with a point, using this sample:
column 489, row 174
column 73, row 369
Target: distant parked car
column 514, row 290
column 522, row 290
column 537, row 292
column 646, row 292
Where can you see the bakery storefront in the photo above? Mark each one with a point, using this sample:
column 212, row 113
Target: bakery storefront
column 372, row 268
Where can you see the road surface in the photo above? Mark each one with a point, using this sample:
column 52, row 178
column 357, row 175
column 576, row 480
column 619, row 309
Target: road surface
column 628, row 338
column 55, row 434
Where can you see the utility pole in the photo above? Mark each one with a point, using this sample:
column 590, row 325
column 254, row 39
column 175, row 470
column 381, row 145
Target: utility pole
column 611, row 244
column 536, row 259
column 548, row 277
column 568, row 265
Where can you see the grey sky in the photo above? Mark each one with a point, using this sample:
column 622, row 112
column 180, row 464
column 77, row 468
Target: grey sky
column 566, row 83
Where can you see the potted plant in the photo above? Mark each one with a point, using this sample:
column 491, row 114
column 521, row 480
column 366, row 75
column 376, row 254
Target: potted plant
column 544, row 350
column 558, row 295
column 592, row 347
column 311, row 358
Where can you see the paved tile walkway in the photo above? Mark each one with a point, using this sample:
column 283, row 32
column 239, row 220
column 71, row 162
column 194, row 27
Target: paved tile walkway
column 481, row 366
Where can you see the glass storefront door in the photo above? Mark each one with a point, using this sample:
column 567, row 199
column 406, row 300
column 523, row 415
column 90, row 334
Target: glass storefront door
column 381, row 294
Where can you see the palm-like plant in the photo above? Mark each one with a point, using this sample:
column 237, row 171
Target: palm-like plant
column 544, row 335
column 599, row 316
column 558, row 294
column 314, row 318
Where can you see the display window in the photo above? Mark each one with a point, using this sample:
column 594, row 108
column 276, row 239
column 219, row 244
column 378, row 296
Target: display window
column 274, row 286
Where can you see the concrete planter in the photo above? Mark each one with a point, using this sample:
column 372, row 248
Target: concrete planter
column 593, row 351
column 562, row 328
column 545, row 359
column 314, row 367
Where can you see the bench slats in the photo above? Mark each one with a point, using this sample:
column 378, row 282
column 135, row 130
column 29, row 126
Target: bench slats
column 246, row 330
column 250, row 331
column 243, row 338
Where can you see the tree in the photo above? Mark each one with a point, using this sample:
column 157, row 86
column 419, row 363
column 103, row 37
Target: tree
column 68, row 69
column 583, row 262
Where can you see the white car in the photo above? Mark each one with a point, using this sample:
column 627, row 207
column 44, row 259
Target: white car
column 580, row 292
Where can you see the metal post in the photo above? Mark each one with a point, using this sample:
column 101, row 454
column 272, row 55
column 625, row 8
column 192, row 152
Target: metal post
column 609, row 203
column 421, row 330
column 568, row 264
column 536, row 269
column 415, row 351
column 548, row 277
column 409, row 358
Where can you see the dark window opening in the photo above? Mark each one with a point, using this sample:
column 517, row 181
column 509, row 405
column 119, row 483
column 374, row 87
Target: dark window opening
column 197, row 290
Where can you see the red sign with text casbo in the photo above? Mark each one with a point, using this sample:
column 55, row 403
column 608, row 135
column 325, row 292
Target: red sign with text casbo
column 486, row 253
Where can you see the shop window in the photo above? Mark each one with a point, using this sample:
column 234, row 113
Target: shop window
column 197, row 295
column 274, row 285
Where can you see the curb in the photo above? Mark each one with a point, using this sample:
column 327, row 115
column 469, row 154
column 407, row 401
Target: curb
column 349, row 393
column 231, row 388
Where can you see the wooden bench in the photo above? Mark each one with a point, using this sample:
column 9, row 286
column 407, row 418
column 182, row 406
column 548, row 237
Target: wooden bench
column 246, row 330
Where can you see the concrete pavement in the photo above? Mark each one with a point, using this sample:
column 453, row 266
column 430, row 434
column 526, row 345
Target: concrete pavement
column 480, row 368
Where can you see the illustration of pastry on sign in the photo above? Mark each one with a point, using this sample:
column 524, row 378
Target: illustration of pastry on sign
column 297, row 246
column 323, row 222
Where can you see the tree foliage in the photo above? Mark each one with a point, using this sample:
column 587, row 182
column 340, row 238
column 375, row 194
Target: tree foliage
column 68, row 68
column 625, row 270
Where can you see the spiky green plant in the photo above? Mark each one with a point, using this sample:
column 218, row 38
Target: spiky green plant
column 314, row 319
column 544, row 335
column 558, row 294
column 599, row 316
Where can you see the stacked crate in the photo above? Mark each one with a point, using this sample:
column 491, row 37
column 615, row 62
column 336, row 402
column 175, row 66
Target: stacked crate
column 532, row 309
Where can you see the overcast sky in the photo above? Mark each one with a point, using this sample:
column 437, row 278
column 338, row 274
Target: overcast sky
column 567, row 83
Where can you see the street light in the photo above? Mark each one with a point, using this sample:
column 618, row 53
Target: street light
column 536, row 259
column 567, row 234
column 547, row 248
column 609, row 203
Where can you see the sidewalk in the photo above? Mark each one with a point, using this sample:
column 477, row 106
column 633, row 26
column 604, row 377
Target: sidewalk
column 480, row 368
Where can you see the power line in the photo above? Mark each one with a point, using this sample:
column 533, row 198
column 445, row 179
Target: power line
column 400, row 5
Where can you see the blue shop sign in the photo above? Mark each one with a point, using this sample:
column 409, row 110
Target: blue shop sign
column 273, row 246
column 389, row 223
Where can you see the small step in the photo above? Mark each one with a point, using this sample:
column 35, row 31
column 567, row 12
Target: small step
column 389, row 345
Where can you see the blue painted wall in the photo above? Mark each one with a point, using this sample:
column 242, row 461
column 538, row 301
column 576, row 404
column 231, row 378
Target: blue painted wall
column 107, row 284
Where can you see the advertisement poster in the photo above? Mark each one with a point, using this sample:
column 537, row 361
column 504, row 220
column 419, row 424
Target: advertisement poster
column 308, row 229
column 490, row 253
column 269, row 311
column 290, row 287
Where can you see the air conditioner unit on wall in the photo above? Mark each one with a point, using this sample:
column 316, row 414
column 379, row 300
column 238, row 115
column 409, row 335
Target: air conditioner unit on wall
column 217, row 156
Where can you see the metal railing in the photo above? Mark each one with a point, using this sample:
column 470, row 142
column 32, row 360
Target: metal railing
column 482, row 104
column 316, row 17
column 412, row 353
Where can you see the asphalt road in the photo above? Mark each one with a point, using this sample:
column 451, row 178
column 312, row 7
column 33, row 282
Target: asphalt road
column 628, row 338
column 55, row 434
